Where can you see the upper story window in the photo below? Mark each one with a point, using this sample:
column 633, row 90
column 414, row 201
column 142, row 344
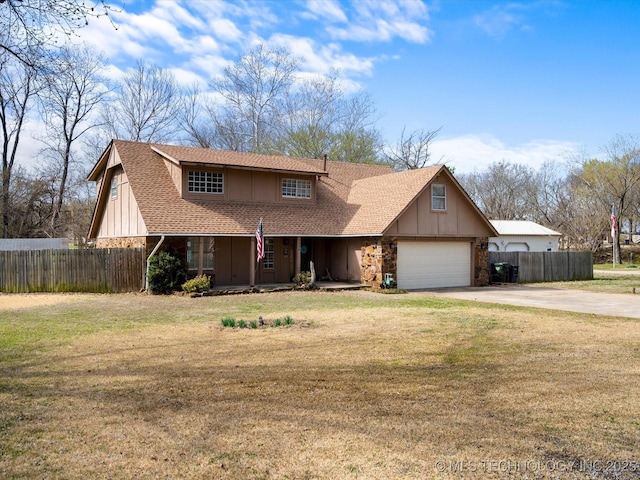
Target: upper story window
column 438, row 197
column 114, row 188
column 296, row 188
column 205, row 182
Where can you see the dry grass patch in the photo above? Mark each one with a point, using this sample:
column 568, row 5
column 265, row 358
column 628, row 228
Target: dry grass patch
column 361, row 386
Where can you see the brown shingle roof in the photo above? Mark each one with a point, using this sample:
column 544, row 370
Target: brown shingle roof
column 238, row 159
column 384, row 197
column 353, row 199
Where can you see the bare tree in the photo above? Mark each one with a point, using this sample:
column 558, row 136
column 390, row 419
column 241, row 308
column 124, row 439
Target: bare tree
column 322, row 119
column 503, row 191
column 615, row 181
column 32, row 201
column 27, row 27
column 260, row 105
column 146, row 106
column 585, row 215
column 195, row 120
column 253, row 92
column 412, row 149
column 17, row 87
column 71, row 93
column 311, row 118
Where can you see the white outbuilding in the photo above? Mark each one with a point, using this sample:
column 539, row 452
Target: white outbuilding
column 523, row 236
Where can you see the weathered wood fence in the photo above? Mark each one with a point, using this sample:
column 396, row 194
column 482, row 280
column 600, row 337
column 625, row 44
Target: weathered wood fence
column 547, row 266
column 112, row 270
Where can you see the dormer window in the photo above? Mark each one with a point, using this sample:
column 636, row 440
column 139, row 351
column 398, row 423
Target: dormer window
column 438, row 197
column 296, row 188
column 205, row 182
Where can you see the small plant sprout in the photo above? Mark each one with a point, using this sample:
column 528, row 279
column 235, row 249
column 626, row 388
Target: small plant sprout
column 228, row 322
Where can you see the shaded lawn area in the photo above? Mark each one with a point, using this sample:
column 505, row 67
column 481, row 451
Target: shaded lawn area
column 362, row 385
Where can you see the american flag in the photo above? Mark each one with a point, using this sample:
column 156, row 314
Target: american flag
column 260, row 241
column 614, row 225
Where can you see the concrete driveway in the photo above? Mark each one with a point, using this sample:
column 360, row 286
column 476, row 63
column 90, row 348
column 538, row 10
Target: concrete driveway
column 613, row 304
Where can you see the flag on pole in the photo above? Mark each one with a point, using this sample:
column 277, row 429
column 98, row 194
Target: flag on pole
column 260, row 241
column 614, row 225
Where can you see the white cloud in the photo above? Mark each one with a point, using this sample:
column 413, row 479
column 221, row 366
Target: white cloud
column 210, row 64
column 172, row 11
column 187, row 78
column 498, row 21
column 329, row 10
column 502, row 18
column 226, row 30
column 476, row 152
column 318, row 58
column 383, row 21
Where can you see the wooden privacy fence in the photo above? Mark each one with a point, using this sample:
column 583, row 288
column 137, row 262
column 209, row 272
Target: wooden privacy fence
column 547, row 266
column 112, row 270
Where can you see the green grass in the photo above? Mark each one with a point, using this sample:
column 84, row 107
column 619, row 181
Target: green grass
column 604, row 282
column 31, row 329
column 359, row 386
column 609, row 266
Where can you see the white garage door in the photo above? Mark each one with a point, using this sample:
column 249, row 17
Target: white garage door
column 434, row 264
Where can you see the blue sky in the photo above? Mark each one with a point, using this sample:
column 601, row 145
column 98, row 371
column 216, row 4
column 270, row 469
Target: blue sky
column 520, row 81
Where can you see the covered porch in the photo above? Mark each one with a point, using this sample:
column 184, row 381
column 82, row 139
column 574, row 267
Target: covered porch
column 231, row 261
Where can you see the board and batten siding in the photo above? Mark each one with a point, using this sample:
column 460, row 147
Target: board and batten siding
column 121, row 216
column 460, row 219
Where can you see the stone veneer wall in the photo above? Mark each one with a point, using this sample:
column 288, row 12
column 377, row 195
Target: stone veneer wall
column 482, row 268
column 122, row 242
column 378, row 256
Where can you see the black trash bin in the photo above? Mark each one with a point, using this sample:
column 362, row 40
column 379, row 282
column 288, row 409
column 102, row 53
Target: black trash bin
column 500, row 272
column 513, row 274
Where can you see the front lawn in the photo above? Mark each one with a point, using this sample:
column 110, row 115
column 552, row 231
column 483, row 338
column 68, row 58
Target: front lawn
column 360, row 385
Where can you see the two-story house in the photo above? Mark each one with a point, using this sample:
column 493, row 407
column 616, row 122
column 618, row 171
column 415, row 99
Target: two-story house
column 355, row 222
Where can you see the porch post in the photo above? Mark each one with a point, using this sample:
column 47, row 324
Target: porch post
column 200, row 254
column 298, row 254
column 252, row 262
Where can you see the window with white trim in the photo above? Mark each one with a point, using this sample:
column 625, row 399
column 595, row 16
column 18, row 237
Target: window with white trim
column 268, row 262
column 296, row 188
column 438, row 197
column 114, row 188
column 205, row 182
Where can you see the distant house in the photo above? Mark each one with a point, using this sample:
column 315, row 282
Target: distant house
column 355, row 222
column 13, row 244
column 523, row 236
